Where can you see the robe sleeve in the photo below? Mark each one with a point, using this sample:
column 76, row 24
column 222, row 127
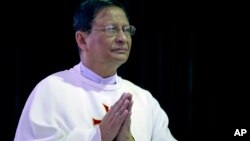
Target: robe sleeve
column 161, row 131
column 48, row 117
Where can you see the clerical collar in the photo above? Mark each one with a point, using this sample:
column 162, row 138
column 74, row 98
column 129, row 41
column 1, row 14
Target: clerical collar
column 86, row 72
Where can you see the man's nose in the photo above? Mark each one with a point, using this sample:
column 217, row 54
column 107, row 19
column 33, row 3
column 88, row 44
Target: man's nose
column 121, row 36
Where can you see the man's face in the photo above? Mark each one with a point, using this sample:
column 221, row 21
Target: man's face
column 105, row 48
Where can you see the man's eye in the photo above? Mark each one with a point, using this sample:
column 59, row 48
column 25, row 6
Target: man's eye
column 126, row 29
column 111, row 28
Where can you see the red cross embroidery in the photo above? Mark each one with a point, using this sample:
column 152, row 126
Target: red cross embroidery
column 97, row 121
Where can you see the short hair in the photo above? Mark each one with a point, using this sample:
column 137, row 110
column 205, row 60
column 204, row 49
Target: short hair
column 88, row 10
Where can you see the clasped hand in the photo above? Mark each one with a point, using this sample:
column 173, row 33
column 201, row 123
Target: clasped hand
column 115, row 124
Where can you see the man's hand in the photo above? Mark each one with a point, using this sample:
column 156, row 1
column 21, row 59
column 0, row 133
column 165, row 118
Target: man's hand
column 125, row 134
column 115, row 118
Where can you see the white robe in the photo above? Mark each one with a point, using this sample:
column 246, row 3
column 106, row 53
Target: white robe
column 63, row 107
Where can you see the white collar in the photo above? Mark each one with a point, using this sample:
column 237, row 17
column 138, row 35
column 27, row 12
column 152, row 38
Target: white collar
column 86, row 72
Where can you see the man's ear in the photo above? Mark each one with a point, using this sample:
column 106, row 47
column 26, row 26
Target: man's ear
column 81, row 38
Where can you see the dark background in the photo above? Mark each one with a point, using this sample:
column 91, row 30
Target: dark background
column 173, row 56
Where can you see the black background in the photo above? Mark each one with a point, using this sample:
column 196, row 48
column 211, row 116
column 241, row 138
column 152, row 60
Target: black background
column 173, row 56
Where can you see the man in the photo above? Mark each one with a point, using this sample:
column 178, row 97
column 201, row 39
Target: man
column 90, row 102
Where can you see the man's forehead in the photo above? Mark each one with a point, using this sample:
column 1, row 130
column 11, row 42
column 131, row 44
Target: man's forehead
column 110, row 13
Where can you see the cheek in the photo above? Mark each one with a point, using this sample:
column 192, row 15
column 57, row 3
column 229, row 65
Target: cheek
column 105, row 43
column 102, row 40
column 96, row 43
column 102, row 47
column 129, row 44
